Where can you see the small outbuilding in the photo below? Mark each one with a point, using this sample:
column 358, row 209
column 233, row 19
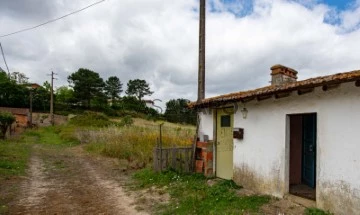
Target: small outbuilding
column 21, row 115
column 292, row 137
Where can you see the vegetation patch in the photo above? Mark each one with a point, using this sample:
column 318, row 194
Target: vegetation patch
column 13, row 158
column 91, row 119
column 53, row 135
column 190, row 194
column 316, row 211
column 134, row 142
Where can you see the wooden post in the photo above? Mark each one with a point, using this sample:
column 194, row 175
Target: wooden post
column 201, row 76
column 160, row 142
column 173, row 163
column 155, row 159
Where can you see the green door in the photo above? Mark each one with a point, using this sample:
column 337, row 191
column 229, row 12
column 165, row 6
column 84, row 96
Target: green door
column 224, row 144
column 309, row 149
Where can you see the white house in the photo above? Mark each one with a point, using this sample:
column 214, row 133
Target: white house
column 297, row 137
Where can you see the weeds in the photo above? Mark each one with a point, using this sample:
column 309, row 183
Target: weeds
column 316, row 211
column 91, row 119
column 56, row 135
column 132, row 142
column 13, row 158
column 192, row 195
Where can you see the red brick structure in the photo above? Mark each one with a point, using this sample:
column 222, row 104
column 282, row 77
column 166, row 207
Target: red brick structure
column 204, row 158
column 21, row 115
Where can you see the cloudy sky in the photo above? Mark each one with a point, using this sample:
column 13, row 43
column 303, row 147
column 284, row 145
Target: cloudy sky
column 157, row 40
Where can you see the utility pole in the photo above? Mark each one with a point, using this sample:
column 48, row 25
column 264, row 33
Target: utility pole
column 31, row 109
column 201, row 76
column 52, row 98
column 2, row 52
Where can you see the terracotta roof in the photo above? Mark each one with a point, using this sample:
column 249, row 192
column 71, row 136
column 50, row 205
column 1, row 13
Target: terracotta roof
column 271, row 90
column 17, row 111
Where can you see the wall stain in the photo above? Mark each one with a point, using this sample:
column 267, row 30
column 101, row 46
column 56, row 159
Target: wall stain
column 250, row 179
column 338, row 197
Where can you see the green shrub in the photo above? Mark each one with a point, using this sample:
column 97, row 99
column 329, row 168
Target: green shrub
column 6, row 119
column 91, row 119
column 127, row 121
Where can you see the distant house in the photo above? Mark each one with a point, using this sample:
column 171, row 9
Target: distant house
column 33, row 85
column 21, row 115
column 149, row 103
column 292, row 137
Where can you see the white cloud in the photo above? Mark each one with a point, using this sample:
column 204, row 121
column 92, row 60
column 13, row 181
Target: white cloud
column 157, row 40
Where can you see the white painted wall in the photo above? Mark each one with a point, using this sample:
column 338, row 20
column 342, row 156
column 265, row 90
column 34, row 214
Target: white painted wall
column 261, row 159
column 206, row 123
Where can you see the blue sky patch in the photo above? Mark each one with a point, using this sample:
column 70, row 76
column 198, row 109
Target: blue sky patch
column 340, row 4
column 239, row 8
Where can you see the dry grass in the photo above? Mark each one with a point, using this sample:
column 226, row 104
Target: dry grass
column 135, row 142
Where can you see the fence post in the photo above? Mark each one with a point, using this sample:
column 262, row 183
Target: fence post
column 161, row 157
column 173, row 163
column 155, row 158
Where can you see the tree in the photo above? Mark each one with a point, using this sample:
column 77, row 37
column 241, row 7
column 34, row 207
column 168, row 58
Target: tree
column 6, row 119
column 47, row 86
column 19, row 77
column 178, row 111
column 87, row 85
column 113, row 87
column 11, row 93
column 138, row 88
column 41, row 99
column 64, row 95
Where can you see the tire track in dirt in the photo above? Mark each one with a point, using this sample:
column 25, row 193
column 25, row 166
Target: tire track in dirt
column 66, row 181
column 35, row 186
column 115, row 194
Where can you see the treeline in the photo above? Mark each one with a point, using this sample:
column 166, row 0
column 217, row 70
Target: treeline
column 88, row 91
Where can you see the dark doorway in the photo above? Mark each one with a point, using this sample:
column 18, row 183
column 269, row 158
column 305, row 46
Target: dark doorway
column 303, row 155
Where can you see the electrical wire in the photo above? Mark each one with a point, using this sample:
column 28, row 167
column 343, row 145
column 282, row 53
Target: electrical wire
column 53, row 20
column 2, row 52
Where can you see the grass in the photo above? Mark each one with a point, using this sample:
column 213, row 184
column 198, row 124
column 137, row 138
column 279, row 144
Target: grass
column 135, row 142
column 55, row 135
column 316, row 211
column 190, row 194
column 14, row 155
column 13, row 158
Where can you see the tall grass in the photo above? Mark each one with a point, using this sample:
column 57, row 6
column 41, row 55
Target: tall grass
column 134, row 142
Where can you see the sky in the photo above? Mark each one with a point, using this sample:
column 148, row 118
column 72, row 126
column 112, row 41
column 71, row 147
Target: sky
column 157, row 40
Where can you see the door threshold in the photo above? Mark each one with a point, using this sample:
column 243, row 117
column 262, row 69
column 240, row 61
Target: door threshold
column 308, row 203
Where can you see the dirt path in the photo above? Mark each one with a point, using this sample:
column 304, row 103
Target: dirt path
column 68, row 181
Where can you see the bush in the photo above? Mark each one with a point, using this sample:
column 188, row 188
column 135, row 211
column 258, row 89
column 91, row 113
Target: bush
column 6, row 119
column 91, row 119
column 126, row 121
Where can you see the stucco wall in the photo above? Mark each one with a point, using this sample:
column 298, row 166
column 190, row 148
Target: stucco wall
column 261, row 159
column 206, row 123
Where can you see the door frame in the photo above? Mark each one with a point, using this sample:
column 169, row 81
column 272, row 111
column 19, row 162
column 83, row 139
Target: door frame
column 287, row 149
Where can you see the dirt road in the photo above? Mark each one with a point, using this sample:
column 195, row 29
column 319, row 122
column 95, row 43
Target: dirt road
column 63, row 180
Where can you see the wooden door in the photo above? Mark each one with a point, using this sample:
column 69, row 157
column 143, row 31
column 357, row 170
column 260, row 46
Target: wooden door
column 224, row 143
column 309, row 149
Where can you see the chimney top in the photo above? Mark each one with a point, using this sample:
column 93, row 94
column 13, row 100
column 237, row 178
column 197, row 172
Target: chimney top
column 281, row 74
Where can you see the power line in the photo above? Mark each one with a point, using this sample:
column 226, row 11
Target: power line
column 53, row 20
column 2, row 52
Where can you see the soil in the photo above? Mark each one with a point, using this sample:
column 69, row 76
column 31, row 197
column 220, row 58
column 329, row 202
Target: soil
column 64, row 180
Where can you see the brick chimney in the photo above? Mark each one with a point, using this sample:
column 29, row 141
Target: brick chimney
column 281, row 75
